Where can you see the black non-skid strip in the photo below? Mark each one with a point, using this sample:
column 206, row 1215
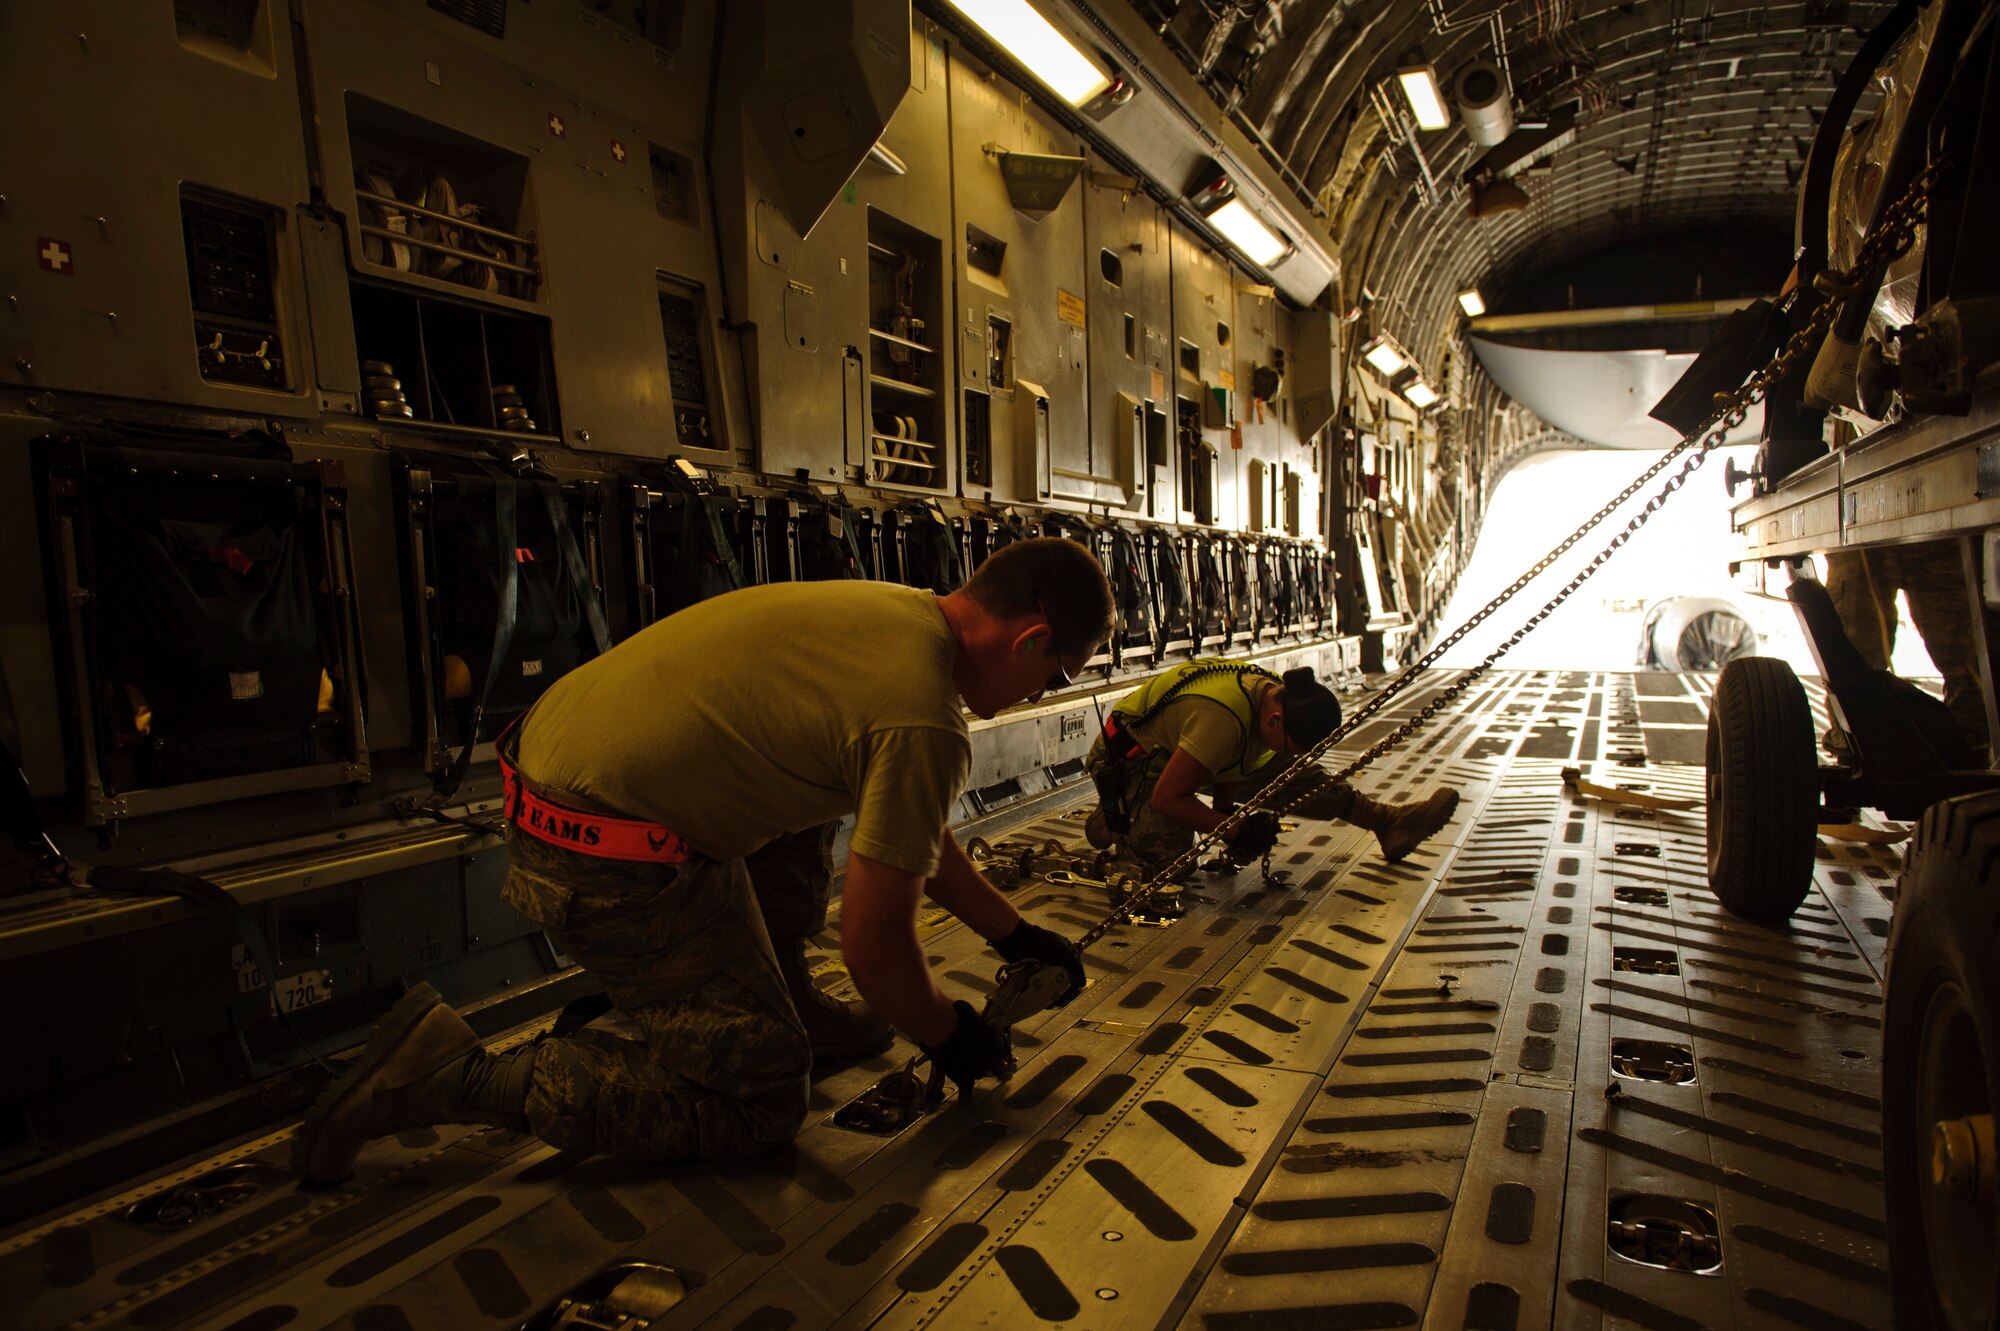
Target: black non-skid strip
column 945, row 1253
column 1811, row 1254
column 1696, row 1004
column 1295, row 1261
column 1538, row 1053
column 1192, row 1134
column 1416, row 1056
column 1424, row 1009
column 1526, row 1129
column 1752, row 1105
column 1736, row 1181
column 966, row 1149
column 1356, row 1090
column 1798, row 1312
column 1037, row 1283
column 1361, row 897
column 1491, row 1306
column 1102, row 1095
column 1237, row 1048
column 1220, row 1086
column 606, row 1214
column 267, row 1318
column 866, row 1239
column 491, row 1282
column 1045, row 1081
column 1694, row 944
column 1358, row 935
column 1760, row 1141
column 1150, row 1209
column 1790, row 932
column 1867, row 997
column 1836, row 1015
column 1693, row 1028
column 1264, row 1017
column 727, row 1212
column 1161, row 1038
column 1462, row 947
column 1412, row 1032
column 1510, row 1213
column 411, row 1242
column 1324, row 953
column 1310, row 987
column 1342, row 1208
column 1314, row 1317
column 1140, row 994
column 1806, row 1084
column 1033, row 1165
column 1625, row 1304
column 1430, row 1118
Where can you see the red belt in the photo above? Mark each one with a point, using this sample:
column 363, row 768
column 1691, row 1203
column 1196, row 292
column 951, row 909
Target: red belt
column 1119, row 740
column 589, row 833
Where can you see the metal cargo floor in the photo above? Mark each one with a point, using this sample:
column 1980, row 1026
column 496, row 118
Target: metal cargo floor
column 1467, row 1090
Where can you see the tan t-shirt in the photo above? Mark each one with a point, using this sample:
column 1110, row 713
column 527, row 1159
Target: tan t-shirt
column 1208, row 731
column 765, row 711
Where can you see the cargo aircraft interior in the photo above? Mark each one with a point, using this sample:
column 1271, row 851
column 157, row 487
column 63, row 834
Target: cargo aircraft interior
column 369, row 367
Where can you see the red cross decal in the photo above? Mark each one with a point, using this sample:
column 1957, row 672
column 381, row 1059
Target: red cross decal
column 618, row 150
column 55, row 256
column 557, row 127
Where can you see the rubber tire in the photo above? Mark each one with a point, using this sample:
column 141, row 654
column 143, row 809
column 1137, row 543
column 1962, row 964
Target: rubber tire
column 1943, row 987
column 1763, row 789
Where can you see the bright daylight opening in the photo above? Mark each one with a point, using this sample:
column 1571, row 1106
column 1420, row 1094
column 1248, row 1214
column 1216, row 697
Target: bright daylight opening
column 1683, row 551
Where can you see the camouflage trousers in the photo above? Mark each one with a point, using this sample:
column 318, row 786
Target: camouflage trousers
column 684, row 952
column 1863, row 586
column 1153, row 840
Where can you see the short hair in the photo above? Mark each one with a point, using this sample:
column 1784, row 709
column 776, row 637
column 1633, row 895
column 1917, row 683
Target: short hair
column 1052, row 576
column 1311, row 710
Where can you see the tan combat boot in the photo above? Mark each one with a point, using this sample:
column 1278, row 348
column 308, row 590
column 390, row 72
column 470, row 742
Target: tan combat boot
column 1401, row 828
column 835, row 1029
column 418, row 1037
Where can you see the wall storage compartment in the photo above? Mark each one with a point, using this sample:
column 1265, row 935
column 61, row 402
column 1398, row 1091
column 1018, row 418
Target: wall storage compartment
column 478, row 538
column 209, row 642
column 437, row 204
column 452, row 365
column 906, row 403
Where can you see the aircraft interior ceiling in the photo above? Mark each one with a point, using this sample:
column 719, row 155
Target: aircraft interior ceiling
column 1686, row 117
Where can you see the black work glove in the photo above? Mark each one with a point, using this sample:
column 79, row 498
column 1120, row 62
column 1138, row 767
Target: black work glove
column 1031, row 942
column 973, row 1050
column 1255, row 836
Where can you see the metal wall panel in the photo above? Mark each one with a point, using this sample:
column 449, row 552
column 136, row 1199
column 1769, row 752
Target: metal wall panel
column 1204, row 301
column 1130, row 319
column 111, row 114
column 1040, row 286
column 589, row 201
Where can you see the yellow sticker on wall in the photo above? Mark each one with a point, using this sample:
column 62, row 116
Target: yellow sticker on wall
column 1227, row 378
column 1069, row 308
column 1159, row 386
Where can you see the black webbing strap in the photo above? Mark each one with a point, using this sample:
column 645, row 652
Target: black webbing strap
column 23, row 823
column 850, row 522
column 579, row 573
column 201, row 892
column 446, row 784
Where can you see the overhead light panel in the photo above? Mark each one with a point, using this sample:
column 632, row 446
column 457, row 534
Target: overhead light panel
column 1426, row 97
column 1472, row 302
column 1387, row 358
column 1247, row 232
column 1420, row 395
column 1032, row 40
